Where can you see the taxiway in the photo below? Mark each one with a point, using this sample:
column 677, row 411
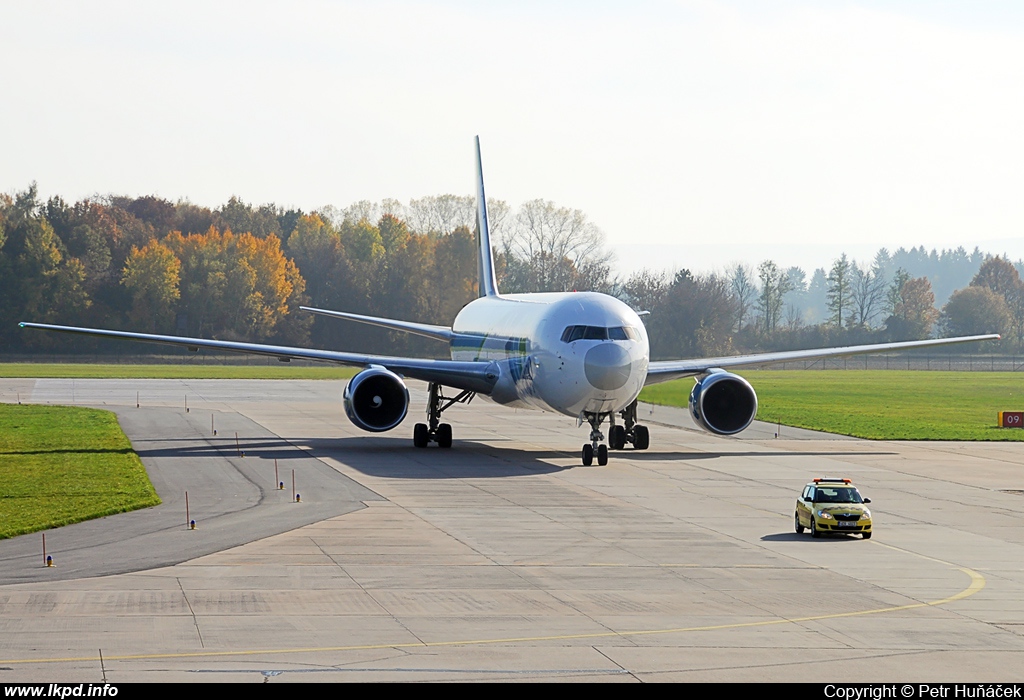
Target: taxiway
column 503, row 559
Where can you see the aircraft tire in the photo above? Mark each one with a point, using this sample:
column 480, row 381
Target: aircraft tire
column 444, row 435
column 602, row 455
column 420, row 435
column 616, row 437
column 588, row 455
column 641, row 437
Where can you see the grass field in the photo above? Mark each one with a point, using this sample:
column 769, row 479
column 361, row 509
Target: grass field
column 61, row 465
column 879, row 405
column 182, row 371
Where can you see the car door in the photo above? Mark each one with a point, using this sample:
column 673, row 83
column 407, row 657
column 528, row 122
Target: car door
column 803, row 506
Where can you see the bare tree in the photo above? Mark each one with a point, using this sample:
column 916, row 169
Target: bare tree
column 363, row 210
column 867, row 294
column 498, row 218
column 774, row 285
column 441, row 213
column 744, row 290
column 550, row 240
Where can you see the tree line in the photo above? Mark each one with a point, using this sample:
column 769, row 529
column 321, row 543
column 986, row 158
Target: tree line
column 240, row 272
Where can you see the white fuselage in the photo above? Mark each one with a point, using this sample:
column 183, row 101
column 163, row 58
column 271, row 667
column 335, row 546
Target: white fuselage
column 599, row 365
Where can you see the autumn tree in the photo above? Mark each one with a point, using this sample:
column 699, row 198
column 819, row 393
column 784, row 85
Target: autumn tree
column 913, row 311
column 152, row 275
column 315, row 246
column 975, row 311
column 454, row 275
column 192, row 218
column 695, row 318
column 240, row 217
column 1001, row 277
column 40, row 280
column 157, row 212
column 235, row 286
column 264, row 283
column 645, row 289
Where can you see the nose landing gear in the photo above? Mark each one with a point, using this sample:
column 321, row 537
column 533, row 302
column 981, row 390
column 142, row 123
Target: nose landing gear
column 594, row 447
column 618, row 435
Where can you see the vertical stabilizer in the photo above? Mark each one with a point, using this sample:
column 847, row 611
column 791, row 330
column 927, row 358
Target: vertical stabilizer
column 485, row 255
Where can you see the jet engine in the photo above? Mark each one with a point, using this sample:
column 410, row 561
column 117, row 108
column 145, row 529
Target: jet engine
column 376, row 399
column 723, row 403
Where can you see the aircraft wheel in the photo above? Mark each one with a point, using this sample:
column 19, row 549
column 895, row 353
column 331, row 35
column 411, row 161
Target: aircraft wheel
column 444, row 435
column 616, row 437
column 602, row 455
column 420, row 435
column 588, row 455
column 641, row 437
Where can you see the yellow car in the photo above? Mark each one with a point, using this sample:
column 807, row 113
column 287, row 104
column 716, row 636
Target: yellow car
column 832, row 505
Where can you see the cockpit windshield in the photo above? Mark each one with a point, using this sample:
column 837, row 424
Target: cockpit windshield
column 574, row 333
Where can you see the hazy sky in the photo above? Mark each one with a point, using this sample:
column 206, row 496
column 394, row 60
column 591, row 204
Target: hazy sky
column 694, row 134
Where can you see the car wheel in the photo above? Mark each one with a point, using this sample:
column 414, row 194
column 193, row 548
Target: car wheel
column 797, row 526
column 866, row 535
column 815, row 532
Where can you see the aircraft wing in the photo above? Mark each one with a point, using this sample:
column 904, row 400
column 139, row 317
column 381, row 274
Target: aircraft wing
column 473, row 376
column 664, row 371
column 427, row 330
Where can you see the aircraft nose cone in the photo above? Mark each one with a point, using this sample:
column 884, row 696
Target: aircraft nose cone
column 607, row 366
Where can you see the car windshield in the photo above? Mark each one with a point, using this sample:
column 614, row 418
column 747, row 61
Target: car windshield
column 837, row 494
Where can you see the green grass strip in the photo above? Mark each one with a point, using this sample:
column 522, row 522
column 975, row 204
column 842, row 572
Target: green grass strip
column 183, row 371
column 879, row 405
column 61, row 465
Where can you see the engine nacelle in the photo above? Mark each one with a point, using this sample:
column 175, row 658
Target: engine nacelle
column 376, row 399
column 723, row 403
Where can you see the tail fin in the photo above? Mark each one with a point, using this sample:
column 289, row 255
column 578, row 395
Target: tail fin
column 485, row 256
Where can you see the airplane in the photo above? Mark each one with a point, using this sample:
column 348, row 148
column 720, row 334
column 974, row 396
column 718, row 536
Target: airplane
column 581, row 354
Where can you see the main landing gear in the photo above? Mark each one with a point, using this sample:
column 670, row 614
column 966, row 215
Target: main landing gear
column 436, row 431
column 618, row 435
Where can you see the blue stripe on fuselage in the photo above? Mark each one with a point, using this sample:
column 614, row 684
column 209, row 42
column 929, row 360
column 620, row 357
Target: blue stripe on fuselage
column 487, row 347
